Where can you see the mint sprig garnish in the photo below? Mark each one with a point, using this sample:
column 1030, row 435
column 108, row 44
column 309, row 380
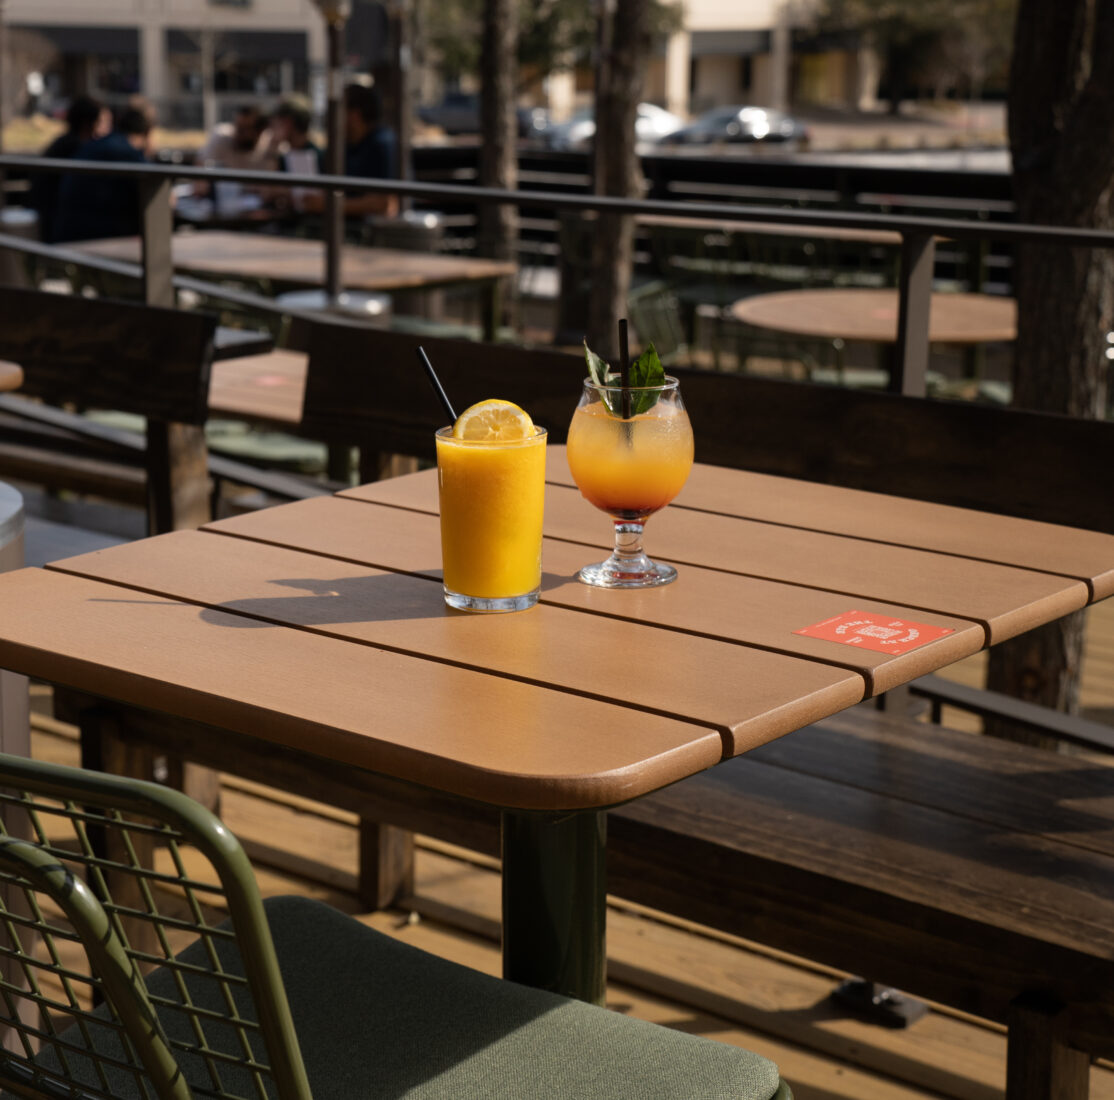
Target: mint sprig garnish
column 646, row 370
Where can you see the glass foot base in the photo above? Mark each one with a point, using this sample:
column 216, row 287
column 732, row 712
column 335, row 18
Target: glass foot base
column 641, row 573
column 491, row 603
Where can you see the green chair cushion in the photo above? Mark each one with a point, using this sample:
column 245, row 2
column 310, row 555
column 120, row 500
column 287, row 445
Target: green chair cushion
column 380, row 1019
column 418, row 1026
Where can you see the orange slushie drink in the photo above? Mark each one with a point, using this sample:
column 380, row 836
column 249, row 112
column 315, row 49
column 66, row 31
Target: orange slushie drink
column 491, row 479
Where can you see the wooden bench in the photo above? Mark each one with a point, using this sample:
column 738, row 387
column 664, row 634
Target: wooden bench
column 973, row 872
column 154, row 362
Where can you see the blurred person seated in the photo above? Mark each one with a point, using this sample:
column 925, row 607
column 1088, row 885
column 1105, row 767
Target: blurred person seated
column 290, row 123
column 90, row 207
column 246, row 142
column 369, row 152
column 297, row 153
column 87, row 118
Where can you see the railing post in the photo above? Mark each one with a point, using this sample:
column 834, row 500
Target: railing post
column 157, row 226
column 334, row 153
column 910, row 365
column 177, row 460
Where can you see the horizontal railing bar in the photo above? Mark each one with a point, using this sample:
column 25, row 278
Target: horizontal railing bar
column 954, row 228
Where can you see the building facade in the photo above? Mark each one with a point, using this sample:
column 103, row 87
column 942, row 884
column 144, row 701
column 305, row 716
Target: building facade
column 169, row 51
column 196, row 61
column 760, row 52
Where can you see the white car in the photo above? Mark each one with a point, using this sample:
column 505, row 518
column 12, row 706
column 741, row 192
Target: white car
column 651, row 124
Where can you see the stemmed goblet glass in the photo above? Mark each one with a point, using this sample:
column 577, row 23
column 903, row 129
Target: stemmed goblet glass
column 629, row 466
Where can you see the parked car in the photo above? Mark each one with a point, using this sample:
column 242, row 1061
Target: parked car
column 459, row 113
column 743, row 124
column 651, row 124
column 533, row 122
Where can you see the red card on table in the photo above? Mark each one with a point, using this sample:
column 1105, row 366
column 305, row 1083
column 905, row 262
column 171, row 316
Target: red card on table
column 871, row 630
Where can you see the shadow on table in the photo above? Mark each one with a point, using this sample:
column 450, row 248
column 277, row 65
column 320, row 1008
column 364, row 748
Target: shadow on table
column 379, row 597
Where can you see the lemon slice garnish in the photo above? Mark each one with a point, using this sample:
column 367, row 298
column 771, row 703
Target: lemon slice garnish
column 493, row 420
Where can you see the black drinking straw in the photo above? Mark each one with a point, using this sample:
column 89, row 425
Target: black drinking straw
column 624, row 368
column 435, row 382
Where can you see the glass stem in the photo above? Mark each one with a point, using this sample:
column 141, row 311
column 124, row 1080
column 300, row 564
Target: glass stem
column 628, row 540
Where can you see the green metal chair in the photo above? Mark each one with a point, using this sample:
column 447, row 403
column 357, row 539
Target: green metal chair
column 104, row 878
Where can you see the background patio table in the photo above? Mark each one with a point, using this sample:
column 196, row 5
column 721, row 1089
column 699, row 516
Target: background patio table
column 860, row 313
column 266, row 389
column 320, row 627
column 301, row 262
column 11, row 376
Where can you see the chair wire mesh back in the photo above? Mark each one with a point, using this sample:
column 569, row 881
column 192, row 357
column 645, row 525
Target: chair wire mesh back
column 103, row 879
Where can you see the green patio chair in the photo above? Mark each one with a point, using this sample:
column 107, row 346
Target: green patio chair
column 102, row 878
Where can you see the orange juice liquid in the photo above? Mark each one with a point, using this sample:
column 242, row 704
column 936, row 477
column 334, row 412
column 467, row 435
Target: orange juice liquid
column 491, row 515
column 631, row 466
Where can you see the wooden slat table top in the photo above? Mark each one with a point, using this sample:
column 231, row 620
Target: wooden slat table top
column 1005, row 599
column 321, row 623
column 302, row 261
column 699, row 681
column 857, row 313
column 710, row 604
column 357, row 704
column 267, row 387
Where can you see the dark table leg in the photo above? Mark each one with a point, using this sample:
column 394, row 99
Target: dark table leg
column 555, row 902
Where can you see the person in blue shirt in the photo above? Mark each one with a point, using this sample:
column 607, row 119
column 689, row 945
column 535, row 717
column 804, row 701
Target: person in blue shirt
column 369, row 152
column 369, row 143
column 90, row 207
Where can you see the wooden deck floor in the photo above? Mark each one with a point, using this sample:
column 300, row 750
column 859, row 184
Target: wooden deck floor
column 659, row 968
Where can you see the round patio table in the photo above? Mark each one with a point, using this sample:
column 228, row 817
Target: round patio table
column 871, row 315
column 11, row 376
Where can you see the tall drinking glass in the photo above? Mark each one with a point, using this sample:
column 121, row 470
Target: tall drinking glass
column 630, row 467
column 492, row 496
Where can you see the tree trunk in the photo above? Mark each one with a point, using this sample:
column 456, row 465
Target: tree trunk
column 1060, row 107
column 624, row 54
column 497, row 233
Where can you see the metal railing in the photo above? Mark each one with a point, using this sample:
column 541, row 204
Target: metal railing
column 917, row 250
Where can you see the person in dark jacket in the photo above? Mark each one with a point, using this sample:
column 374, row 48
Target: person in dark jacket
column 87, row 118
column 369, row 151
column 90, row 207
